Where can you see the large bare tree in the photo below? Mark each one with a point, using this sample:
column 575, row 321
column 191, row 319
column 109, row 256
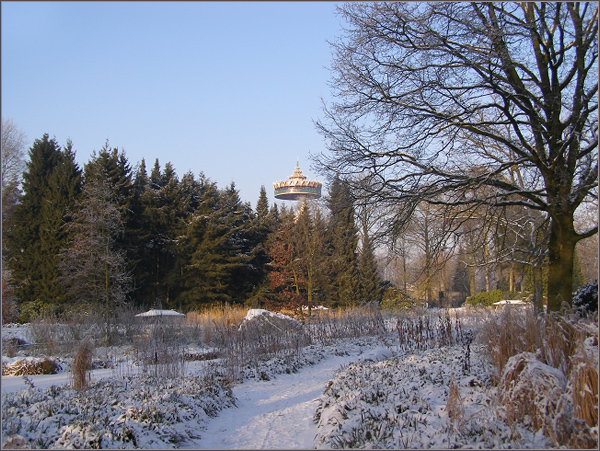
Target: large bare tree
column 436, row 100
column 13, row 164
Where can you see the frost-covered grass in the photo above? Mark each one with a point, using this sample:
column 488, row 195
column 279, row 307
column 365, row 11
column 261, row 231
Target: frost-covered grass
column 402, row 403
column 134, row 412
column 452, row 386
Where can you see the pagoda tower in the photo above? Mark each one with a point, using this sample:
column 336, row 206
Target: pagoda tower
column 297, row 187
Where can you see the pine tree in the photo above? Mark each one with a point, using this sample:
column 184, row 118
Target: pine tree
column 51, row 184
column 198, row 270
column 221, row 262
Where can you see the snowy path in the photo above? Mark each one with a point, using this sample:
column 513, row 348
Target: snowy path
column 274, row 414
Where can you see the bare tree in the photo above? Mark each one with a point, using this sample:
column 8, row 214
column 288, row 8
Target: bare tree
column 13, row 164
column 441, row 98
column 92, row 268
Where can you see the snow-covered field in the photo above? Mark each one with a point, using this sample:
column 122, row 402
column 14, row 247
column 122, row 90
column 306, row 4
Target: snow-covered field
column 380, row 390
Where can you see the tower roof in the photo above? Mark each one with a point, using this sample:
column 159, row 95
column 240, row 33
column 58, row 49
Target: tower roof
column 297, row 187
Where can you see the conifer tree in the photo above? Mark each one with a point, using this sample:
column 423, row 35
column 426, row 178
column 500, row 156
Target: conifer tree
column 138, row 253
column 222, row 261
column 370, row 282
column 51, row 184
column 343, row 236
column 262, row 206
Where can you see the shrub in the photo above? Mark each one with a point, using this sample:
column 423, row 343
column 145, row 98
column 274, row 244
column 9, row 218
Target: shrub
column 82, row 363
column 529, row 390
column 10, row 346
column 586, row 298
column 485, row 298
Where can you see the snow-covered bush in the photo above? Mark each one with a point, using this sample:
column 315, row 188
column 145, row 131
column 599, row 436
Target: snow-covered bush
column 529, row 390
column 408, row 402
column 144, row 412
column 261, row 336
column 586, row 298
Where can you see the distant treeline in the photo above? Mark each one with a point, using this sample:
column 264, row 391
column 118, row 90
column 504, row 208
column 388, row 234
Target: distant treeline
column 111, row 234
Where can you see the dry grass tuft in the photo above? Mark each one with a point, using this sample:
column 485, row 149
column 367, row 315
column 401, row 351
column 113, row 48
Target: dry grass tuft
column 455, row 404
column 30, row 367
column 584, row 379
column 511, row 332
column 82, row 363
column 548, row 372
column 529, row 389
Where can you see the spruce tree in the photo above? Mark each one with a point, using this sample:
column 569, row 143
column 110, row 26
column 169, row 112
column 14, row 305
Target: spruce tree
column 51, row 184
column 343, row 238
column 262, row 206
column 159, row 219
column 370, row 282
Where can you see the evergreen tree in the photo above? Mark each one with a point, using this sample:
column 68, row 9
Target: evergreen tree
column 159, row 218
column 370, row 282
column 343, row 236
column 51, row 183
column 222, row 261
column 138, row 253
column 262, row 206
column 197, row 270
column 260, row 230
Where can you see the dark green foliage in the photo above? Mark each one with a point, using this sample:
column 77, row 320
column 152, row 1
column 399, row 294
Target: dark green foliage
column 485, row 298
column 586, row 298
column 158, row 241
column 51, row 184
column 222, row 266
column 370, row 283
column 343, row 241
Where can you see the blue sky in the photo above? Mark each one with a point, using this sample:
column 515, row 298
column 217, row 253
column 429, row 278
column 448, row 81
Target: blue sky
column 227, row 88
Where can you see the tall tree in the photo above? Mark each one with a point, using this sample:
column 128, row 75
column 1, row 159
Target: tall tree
column 93, row 269
column 370, row 282
column 283, row 279
column 343, row 236
column 428, row 92
column 13, row 164
column 51, row 184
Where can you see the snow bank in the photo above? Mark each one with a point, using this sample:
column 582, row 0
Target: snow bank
column 271, row 320
column 377, row 355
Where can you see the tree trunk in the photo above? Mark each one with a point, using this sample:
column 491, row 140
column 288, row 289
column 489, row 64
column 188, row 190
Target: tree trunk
column 511, row 278
column 561, row 250
column 538, row 286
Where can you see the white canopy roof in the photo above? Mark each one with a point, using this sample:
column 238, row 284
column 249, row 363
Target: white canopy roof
column 153, row 312
column 511, row 302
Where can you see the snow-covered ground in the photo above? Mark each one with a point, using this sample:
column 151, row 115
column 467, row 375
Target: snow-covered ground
column 378, row 391
column 274, row 414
